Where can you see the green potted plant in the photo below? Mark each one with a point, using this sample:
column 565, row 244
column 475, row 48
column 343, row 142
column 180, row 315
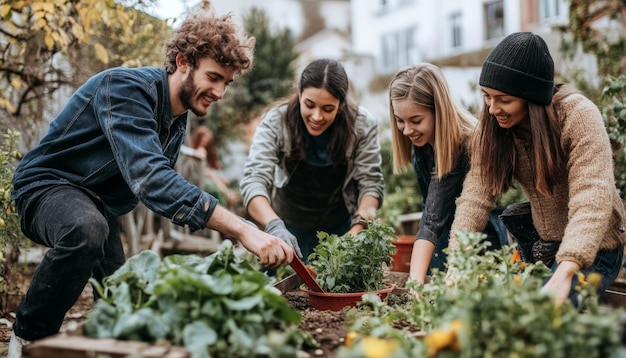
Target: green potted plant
column 348, row 266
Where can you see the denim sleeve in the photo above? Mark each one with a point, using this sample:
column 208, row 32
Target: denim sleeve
column 127, row 111
column 438, row 210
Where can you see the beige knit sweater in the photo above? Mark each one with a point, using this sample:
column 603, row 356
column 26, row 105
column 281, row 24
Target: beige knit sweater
column 584, row 211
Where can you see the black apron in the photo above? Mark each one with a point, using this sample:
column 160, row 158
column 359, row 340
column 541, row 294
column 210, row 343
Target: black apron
column 313, row 198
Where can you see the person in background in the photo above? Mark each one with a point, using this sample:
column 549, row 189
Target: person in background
column 314, row 162
column 552, row 141
column 214, row 182
column 113, row 144
column 430, row 131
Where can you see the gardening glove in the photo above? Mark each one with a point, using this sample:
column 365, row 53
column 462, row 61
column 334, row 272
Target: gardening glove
column 277, row 228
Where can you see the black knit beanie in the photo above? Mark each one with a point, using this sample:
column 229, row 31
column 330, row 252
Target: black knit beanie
column 521, row 66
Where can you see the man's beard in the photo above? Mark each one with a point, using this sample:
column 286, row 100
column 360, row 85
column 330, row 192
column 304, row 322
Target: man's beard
column 187, row 90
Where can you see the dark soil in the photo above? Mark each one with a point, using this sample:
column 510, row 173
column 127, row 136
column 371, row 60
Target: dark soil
column 327, row 327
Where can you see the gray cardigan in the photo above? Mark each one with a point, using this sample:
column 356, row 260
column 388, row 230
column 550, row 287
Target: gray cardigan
column 265, row 166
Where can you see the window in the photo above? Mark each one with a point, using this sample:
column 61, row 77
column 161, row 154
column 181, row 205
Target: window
column 553, row 10
column 399, row 48
column 455, row 21
column 494, row 19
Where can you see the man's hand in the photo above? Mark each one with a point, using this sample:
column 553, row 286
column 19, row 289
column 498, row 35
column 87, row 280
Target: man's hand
column 271, row 250
column 277, row 228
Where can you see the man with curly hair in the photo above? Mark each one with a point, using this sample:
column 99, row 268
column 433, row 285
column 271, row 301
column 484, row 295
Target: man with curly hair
column 115, row 144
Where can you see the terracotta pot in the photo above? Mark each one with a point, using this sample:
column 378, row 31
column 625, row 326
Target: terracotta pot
column 337, row 301
column 402, row 258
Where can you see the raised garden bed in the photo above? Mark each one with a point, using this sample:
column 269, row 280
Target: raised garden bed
column 501, row 290
column 327, row 327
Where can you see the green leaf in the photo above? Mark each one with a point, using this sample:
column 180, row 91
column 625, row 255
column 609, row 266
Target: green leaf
column 243, row 304
column 198, row 336
column 143, row 266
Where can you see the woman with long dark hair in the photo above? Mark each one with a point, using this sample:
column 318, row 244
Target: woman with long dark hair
column 314, row 163
column 551, row 140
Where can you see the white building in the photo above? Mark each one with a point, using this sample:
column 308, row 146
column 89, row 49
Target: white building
column 374, row 38
column 456, row 35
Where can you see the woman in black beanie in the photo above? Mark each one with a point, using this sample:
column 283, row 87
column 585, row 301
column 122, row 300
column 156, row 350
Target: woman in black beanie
column 551, row 140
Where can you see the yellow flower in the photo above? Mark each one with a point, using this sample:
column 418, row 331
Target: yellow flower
column 2, row 223
column 594, row 279
column 350, row 338
column 375, row 347
column 442, row 339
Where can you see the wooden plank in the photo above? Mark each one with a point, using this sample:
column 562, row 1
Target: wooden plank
column 188, row 244
column 68, row 346
column 613, row 297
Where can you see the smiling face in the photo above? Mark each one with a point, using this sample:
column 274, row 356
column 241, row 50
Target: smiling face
column 318, row 109
column 415, row 122
column 509, row 111
column 203, row 85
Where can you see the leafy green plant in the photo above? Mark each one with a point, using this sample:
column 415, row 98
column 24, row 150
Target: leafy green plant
column 495, row 308
column 216, row 306
column 353, row 263
column 10, row 232
column 11, row 237
column 614, row 114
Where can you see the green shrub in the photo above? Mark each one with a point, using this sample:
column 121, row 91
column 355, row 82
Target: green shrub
column 614, row 114
column 11, row 238
column 494, row 308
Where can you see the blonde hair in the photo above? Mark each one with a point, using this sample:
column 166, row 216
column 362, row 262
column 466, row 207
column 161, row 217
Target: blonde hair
column 425, row 85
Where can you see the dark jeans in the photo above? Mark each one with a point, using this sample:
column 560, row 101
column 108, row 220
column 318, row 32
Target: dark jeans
column 84, row 242
column 517, row 218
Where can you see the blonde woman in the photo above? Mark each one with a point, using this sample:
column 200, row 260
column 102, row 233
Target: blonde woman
column 430, row 132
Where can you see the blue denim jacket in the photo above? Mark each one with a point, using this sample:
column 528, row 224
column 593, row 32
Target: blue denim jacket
column 117, row 138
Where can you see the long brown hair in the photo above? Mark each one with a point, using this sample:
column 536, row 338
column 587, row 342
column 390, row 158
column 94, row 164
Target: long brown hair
column 494, row 146
column 331, row 76
column 425, row 85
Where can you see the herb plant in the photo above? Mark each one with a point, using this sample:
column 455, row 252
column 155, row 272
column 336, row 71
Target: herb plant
column 353, row 263
column 495, row 308
column 216, row 306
